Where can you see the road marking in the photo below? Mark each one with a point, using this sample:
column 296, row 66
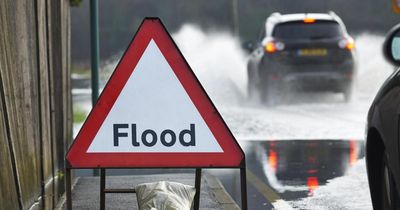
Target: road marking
column 269, row 194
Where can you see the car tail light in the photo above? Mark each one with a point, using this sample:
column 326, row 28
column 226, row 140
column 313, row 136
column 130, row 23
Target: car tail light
column 347, row 43
column 309, row 20
column 272, row 47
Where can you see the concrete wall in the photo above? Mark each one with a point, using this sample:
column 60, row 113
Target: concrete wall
column 35, row 101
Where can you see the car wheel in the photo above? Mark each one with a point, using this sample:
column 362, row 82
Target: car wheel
column 252, row 91
column 390, row 196
column 347, row 94
column 269, row 95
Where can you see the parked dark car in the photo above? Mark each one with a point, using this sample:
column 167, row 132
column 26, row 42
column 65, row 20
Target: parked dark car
column 383, row 133
column 308, row 51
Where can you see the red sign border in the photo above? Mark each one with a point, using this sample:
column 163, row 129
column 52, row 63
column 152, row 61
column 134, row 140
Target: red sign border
column 152, row 28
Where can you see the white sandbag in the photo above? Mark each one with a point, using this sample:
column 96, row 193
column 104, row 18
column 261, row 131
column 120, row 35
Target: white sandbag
column 164, row 196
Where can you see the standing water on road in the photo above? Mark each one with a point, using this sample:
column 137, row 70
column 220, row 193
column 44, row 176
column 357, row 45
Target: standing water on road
column 220, row 64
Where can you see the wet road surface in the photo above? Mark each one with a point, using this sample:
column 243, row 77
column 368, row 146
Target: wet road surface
column 288, row 171
column 278, row 172
column 281, row 171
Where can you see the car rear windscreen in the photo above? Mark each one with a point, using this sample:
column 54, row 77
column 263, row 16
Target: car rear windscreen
column 301, row 30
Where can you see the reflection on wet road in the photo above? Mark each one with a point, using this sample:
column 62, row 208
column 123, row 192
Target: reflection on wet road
column 281, row 171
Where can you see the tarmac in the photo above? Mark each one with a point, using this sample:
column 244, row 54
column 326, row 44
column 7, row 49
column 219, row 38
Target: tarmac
column 86, row 195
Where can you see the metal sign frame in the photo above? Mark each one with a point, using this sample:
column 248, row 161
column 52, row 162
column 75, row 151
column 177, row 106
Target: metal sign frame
column 196, row 201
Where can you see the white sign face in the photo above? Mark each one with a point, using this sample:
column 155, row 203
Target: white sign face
column 154, row 113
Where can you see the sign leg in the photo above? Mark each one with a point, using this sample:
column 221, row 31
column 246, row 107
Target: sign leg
column 68, row 188
column 197, row 186
column 102, row 189
column 243, row 185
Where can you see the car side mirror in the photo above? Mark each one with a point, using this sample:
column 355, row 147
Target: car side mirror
column 248, row 46
column 391, row 46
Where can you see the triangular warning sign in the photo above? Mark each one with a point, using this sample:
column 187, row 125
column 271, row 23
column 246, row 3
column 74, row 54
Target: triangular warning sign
column 153, row 112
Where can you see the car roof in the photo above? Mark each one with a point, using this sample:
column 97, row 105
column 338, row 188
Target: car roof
column 278, row 18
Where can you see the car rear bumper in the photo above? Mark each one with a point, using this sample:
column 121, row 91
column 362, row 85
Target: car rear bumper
column 318, row 82
column 334, row 77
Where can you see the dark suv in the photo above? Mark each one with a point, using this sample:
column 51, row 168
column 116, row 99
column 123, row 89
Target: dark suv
column 310, row 52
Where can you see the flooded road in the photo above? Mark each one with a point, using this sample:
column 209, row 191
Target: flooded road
column 287, row 174
column 307, row 153
column 284, row 171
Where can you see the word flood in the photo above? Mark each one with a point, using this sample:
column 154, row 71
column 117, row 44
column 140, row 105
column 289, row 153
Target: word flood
column 149, row 137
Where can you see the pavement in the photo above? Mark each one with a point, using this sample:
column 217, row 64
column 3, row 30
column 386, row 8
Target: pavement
column 85, row 194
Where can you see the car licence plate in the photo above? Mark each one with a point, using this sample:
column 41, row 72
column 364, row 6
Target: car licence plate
column 313, row 52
